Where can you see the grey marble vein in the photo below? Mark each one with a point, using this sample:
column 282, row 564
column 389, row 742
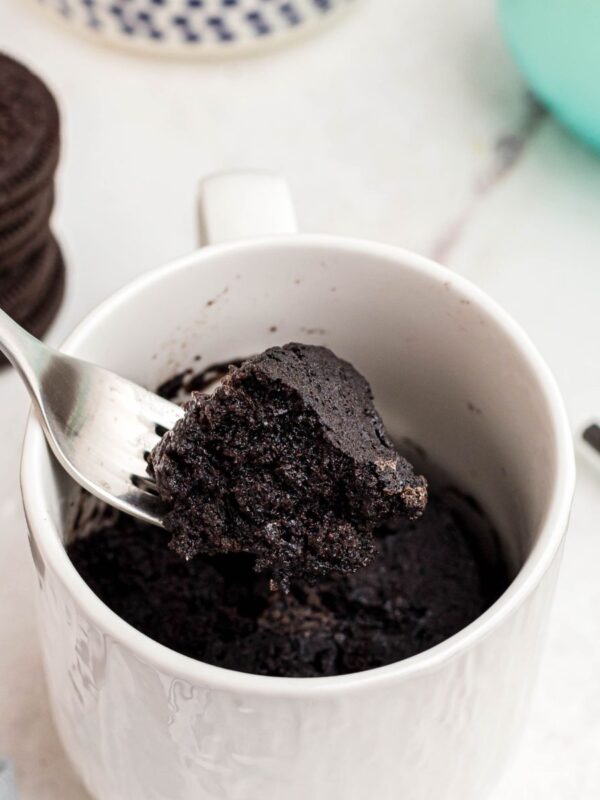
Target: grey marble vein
column 506, row 153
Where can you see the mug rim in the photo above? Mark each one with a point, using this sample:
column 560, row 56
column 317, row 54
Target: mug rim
column 171, row 662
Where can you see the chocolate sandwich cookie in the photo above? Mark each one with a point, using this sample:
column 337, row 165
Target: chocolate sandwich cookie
column 12, row 215
column 27, row 234
column 16, row 258
column 37, row 312
column 43, row 315
column 29, row 132
column 23, row 288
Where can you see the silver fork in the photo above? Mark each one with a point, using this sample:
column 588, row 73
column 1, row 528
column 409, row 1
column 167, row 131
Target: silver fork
column 99, row 425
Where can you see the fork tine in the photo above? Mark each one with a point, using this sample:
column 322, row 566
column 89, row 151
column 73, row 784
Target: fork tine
column 149, row 506
column 100, row 427
column 145, row 483
column 150, row 441
column 164, row 413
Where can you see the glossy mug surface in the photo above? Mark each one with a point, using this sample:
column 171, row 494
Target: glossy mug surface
column 141, row 722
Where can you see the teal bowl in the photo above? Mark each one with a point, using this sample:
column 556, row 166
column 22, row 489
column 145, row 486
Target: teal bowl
column 556, row 44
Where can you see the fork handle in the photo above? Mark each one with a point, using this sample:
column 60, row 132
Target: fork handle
column 27, row 354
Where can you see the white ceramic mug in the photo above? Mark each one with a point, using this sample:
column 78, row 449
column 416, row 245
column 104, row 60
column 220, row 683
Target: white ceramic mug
column 450, row 370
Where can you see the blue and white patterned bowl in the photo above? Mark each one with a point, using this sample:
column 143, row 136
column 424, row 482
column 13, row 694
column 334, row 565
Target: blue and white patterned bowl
column 198, row 27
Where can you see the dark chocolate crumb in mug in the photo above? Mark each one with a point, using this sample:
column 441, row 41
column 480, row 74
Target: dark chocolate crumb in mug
column 429, row 580
column 289, row 461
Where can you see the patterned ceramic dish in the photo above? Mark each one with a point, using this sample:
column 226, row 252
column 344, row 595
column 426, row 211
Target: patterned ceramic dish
column 198, row 27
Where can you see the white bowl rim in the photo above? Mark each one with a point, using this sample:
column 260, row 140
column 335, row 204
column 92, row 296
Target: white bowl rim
column 174, row 664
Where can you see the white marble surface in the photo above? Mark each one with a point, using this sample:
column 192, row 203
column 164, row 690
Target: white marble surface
column 407, row 123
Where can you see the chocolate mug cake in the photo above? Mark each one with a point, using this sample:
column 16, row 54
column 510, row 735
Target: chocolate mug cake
column 414, row 582
column 288, row 460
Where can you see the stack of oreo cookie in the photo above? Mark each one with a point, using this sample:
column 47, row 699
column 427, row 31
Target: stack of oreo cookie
column 32, row 272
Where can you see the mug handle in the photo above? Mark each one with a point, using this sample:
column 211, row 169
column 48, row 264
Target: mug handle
column 241, row 205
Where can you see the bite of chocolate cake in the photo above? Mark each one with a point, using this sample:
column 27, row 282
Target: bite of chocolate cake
column 289, row 461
